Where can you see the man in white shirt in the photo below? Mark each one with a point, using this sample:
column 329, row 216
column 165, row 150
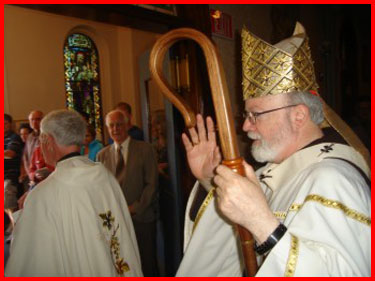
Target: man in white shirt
column 134, row 165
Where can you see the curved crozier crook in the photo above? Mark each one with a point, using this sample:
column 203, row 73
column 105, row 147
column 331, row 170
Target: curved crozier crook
column 223, row 111
column 218, row 86
column 156, row 68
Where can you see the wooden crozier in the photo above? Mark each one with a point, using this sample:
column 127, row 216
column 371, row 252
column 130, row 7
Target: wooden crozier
column 222, row 106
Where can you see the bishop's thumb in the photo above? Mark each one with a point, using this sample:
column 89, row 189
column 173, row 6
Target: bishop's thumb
column 249, row 171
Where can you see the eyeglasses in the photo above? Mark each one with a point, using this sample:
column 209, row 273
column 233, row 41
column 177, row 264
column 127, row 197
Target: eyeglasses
column 252, row 116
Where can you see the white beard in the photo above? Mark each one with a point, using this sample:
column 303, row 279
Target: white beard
column 267, row 151
column 261, row 152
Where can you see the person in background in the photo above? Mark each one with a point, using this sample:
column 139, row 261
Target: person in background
column 76, row 222
column 91, row 146
column 12, row 160
column 159, row 141
column 134, row 163
column 133, row 131
column 32, row 141
column 39, row 169
column 24, row 131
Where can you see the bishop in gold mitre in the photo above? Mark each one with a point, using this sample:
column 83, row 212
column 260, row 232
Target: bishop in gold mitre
column 284, row 68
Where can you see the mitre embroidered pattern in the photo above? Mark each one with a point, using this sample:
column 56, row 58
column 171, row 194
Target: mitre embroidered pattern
column 268, row 70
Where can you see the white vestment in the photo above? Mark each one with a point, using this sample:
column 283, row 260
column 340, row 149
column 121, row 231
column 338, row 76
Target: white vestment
column 323, row 201
column 75, row 223
column 211, row 247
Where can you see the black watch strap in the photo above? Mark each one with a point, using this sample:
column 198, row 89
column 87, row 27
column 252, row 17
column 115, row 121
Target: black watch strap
column 271, row 241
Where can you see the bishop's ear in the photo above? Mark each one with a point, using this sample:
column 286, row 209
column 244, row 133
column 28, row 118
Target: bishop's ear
column 300, row 115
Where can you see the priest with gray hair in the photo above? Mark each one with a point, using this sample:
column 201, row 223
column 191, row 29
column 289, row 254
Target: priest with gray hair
column 75, row 223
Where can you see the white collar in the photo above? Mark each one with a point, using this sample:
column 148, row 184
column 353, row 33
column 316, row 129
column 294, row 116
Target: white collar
column 124, row 145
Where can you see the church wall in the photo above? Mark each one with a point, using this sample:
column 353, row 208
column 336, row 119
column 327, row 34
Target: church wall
column 142, row 41
column 254, row 17
column 33, row 61
column 257, row 19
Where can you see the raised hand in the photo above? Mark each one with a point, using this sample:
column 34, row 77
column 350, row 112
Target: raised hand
column 202, row 151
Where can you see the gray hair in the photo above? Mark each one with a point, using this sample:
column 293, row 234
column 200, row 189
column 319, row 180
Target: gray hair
column 126, row 120
column 313, row 102
column 66, row 126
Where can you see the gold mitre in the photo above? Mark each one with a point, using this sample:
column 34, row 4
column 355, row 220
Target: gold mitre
column 274, row 69
column 287, row 67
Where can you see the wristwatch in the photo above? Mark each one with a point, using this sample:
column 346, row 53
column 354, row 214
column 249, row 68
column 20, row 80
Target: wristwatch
column 271, row 241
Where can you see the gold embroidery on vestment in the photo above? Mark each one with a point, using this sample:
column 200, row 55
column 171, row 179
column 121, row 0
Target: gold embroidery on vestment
column 203, row 207
column 353, row 214
column 295, row 207
column 292, row 258
column 280, row 215
column 114, row 244
column 338, row 205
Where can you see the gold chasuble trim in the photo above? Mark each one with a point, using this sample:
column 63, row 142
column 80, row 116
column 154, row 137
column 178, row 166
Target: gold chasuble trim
column 353, row 214
column 292, row 258
column 280, row 215
column 203, row 207
column 338, row 205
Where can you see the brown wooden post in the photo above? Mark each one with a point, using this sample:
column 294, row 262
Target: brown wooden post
column 223, row 111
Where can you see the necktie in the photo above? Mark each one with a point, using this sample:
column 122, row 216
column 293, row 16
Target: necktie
column 120, row 166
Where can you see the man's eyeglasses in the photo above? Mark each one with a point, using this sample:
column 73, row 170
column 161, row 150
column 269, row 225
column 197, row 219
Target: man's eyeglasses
column 252, row 116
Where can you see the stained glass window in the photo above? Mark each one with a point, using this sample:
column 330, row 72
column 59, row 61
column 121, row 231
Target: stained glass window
column 82, row 83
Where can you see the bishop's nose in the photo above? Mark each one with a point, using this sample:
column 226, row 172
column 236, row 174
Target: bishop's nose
column 248, row 126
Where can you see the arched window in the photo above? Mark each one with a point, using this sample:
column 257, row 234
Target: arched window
column 82, row 84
